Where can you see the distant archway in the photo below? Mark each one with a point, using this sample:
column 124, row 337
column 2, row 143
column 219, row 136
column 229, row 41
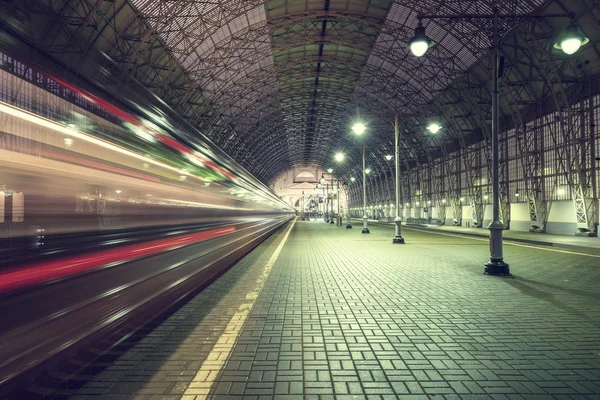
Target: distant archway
column 302, row 175
column 300, row 183
column 305, row 176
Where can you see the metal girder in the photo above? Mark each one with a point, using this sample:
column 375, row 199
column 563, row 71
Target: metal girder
column 569, row 146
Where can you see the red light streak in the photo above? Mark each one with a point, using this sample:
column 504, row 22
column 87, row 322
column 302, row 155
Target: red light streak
column 174, row 144
column 40, row 273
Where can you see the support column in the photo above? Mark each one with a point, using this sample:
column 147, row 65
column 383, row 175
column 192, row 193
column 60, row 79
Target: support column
column 496, row 265
column 398, row 239
column 365, row 222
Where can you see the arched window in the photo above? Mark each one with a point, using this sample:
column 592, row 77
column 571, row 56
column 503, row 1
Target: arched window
column 305, row 176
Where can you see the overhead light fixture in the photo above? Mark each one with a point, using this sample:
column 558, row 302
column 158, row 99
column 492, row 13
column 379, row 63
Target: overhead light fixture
column 359, row 128
column 420, row 43
column 389, row 157
column 352, row 178
column 434, row 127
column 571, row 40
column 329, row 170
column 368, row 171
column 339, row 157
column 322, row 180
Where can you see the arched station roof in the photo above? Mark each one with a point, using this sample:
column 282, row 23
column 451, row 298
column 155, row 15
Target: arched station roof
column 277, row 84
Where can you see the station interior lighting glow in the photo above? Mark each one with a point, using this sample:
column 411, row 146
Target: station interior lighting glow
column 420, row 43
column 368, row 171
column 571, row 40
column 434, row 127
column 359, row 128
column 389, row 157
column 339, row 157
column 329, row 170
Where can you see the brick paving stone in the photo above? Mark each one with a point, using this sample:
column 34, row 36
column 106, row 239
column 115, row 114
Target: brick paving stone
column 350, row 316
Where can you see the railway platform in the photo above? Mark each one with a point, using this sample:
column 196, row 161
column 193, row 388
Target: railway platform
column 323, row 312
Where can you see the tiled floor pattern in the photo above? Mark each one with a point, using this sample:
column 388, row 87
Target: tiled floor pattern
column 350, row 316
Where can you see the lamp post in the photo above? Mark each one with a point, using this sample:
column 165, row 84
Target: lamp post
column 359, row 129
column 303, row 208
column 569, row 42
column 327, row 202
column 348, row 221
column 365, row 218
column 332, row 216
column 325, row 188
column 338, row 220
column 330, row 196
column 398, row 239
column 317, row 196
column 339, row 157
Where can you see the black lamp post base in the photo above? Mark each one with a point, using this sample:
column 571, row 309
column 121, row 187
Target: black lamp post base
column 398, row 240
column 348, row 226
column 366, row 230
column 331, row 221
column 496, row 267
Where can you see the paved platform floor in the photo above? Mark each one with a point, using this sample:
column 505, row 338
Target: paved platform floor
column 333, row 314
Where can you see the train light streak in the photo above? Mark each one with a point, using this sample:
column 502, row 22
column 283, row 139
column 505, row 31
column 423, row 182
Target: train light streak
column 50, row 271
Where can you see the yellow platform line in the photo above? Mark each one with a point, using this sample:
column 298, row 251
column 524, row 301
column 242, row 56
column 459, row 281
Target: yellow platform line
column 216, row 360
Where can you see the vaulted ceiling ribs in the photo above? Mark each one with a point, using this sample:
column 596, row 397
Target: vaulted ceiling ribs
column 275, row 83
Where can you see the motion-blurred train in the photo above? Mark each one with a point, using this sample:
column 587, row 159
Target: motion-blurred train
column 71, row 170
column 112, row 210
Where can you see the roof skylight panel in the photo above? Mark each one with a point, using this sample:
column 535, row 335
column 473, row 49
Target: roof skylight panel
column 266, row 62
column 257, row 14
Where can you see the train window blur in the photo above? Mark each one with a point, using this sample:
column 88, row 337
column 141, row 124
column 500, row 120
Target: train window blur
column 18, row 207
column 2, row 202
